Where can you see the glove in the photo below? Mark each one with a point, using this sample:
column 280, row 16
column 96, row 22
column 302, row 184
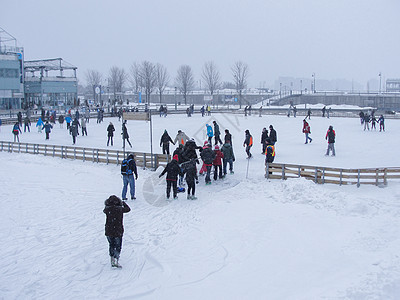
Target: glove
column 233, row 160
column 197, row 182
column 159, row 176
column 137, row 177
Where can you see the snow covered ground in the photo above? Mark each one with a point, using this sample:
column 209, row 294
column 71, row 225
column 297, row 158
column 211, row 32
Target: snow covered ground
column 244, row 238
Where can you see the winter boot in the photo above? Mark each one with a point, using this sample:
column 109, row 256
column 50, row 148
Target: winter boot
column 112, row 262
column 194, row 197
column 189, row 197
column 116, row 264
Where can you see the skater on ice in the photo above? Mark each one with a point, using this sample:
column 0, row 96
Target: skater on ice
column 173, row 170
column 264, row 136
column 190, row 171
column 16, row 131
column 272, row 135
column 128, row 170
column 207, row 155
column 229, row 157
column 210, row 134
column 248, row 143
column 330, row 136
column 164, row 142
column 125, row 135
column 217, row 163
column 110, row 133
column 47, row 129
column 217, row 133
column 114, row 228
column 307, row 131
column 181, row 138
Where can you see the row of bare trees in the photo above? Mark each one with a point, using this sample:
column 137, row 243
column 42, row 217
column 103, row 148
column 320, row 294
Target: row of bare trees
column 147, row 77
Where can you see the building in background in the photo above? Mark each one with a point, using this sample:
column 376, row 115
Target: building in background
column 11, row 72
column 50, row 83
column 393, row 85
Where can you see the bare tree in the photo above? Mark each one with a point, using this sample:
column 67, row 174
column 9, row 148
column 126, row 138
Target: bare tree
column 148, row 77
column 117, row 78
column 93, row 79
column 135, row 78
column 162, row 79
column 185, row 80
column 211, row 77
column 240, row 72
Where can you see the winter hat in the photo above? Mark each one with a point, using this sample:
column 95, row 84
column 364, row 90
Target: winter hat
column 205, row 143
column 175, row 157
column 216, row 147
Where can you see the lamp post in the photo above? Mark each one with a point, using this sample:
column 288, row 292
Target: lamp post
column 176, row 108
column 280, row 90
column 301, row 87
column 380, row 81
column 313, row 76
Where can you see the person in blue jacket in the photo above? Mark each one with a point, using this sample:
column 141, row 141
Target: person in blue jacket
column 47, row 129
column 68, row 120
column 39, row 125
column 16, row 130
column 210, row 134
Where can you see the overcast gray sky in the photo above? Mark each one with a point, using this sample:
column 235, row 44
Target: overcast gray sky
column 351, row 39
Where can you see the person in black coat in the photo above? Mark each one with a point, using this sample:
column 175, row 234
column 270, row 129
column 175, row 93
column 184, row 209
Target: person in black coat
column 164, row 142
column 228, row 137
column 110, row 134
column 217, row 133
column 207, row 155
column 189, row 168
column 264, row 136
column 189, row 151
column 272, row 135
column 114, row 228
column 125, row 135
column 173, row 170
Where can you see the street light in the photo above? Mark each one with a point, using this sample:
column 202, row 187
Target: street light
column 313, row 76
column 176, row 108
column 280, row 90
column 380, row 81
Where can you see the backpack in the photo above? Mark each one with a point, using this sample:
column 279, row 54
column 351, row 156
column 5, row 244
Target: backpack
column 125, row 170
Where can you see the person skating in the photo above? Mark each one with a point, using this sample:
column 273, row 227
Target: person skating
column 74, row 130
column 229, row 157
column 27, row 124
column 307, row 131
column 207, row 155
column 125, row 135
column 128, row 170
column 189, row 169
column 61, row 120
column 202, row 110
column 361, row 115
column 228, row 137
column 330, row 136
column 83, row 125
column 217, row 163
column 264, row 136
column 366, row 121
column 164, row 142
column 68, row 121
column 308, row 114
column 189, row 150
column 210, row 134
column 373, row 122
column 16, row 131
column 381, row 121
column 47, row 129
column 217, row 133
column 248, row 143
column 173, row 170
column 19, row 117
column 114, row 228
column 269, row 154
column 110, row 134
column 39, row 125
column 181, row 138
column 272, row 135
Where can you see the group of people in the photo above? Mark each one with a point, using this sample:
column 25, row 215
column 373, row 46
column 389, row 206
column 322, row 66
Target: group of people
column 367, row 118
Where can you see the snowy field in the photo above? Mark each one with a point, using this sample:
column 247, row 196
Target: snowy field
column 244, row 238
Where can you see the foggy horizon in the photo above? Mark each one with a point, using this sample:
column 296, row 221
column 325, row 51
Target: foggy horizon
column 344, row 40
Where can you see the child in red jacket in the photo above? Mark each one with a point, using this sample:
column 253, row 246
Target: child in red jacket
column 217, row 163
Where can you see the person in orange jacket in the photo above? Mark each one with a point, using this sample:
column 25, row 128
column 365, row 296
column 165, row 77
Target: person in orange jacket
column 248, row 143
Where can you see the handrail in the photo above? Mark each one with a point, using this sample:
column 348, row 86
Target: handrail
column 86, row 154
column 340, row 176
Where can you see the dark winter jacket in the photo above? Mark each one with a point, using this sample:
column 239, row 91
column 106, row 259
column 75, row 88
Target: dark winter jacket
column 228, row 138
column 216, row 130
column 125, row 134
column 207, row 155
column 110, row 130
column 272, row 136
column 131, row 166
column 189, row 168
column 227, row 150
column 248, row 141
column 47, row 127
column 114, row 210
column 74, row 128
column 270, row 154
column 189, row 151
column 178, row 151
column 330, row 136
column 218, row 158
column 165, row 139
column 173, row 170
column 264, row 136
column 61, row 119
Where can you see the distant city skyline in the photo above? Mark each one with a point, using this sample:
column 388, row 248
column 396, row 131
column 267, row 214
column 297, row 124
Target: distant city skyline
column 342, row 41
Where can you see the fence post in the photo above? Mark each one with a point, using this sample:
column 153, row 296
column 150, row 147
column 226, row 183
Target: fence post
column 107, row 157
column 267, row 171
column 97, row 155
column 299, row 172
column 19, row 147
column 26, row 149
column 385, row 176
column 323, row 175
column 62, row 151
column 358, row 178
column 74, row 153
column 45, row 150
column 117, row 157
column 155, row 161
column 2, row 146
column 144, row 161
column 54, row 150
column 93, row 155
column 283, row 172
column 376, row 177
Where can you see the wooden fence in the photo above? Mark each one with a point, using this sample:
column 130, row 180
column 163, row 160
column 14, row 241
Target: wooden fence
column 145, row 160
column 321, row 175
